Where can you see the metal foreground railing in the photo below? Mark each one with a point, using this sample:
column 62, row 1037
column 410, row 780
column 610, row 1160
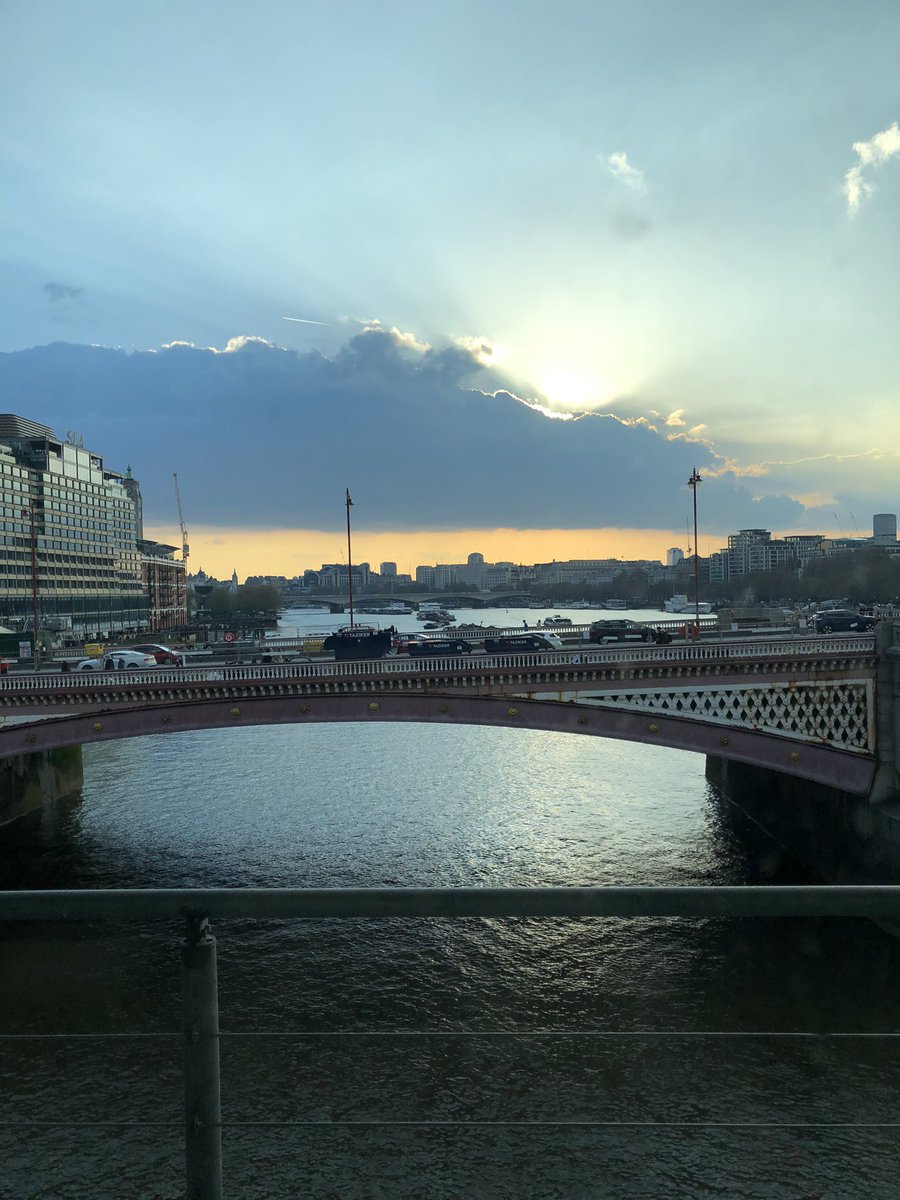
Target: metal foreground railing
column 196, row 908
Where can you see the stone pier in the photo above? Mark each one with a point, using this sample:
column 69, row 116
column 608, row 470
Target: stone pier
column 839, row 837
column 30, row 781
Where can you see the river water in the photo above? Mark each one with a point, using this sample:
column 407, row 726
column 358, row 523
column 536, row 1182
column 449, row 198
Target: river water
column 491, row 1032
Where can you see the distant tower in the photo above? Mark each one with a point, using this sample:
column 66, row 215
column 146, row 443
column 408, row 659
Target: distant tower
column 388, row 570
column 674, row 556
column 474, row 570
column 233, row 586
column 133, row 488
column 884, row 528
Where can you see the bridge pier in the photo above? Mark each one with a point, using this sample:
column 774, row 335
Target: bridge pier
column 839, row 837
column 30, row 781
column 886, row 788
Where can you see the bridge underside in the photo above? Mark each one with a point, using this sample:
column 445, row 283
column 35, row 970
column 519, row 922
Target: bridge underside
column 848, row 771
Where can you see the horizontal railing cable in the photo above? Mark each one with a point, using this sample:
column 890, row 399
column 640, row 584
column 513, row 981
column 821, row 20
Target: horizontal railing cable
column 202, row 1038
column 462, row 1034
column 465, row 1123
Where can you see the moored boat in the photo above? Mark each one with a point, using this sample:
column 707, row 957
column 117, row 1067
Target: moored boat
column 681, row 604
column 359, row 641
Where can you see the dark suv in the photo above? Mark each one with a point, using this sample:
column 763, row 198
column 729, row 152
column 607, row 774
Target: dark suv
column 624, row 630
column 843, row 620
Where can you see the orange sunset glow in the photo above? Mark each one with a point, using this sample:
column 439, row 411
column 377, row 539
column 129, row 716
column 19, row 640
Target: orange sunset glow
column 289, row 552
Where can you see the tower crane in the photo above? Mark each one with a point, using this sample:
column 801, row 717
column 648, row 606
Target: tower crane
column 185, row 548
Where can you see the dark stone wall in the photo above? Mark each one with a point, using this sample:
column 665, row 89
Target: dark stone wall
column 838, row 837
column 29, row 781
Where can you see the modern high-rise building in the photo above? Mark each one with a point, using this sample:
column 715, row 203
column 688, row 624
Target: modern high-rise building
column 69, row 547
column 884, row 529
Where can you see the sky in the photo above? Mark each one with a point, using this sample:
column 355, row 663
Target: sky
column 295, row 247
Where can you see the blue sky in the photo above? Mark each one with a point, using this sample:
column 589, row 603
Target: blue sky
column 680, row 214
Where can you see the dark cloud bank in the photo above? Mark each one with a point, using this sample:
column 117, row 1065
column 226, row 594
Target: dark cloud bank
column 264, row 437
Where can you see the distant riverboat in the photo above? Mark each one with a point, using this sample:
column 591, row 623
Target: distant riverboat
column 681, row 604
column 385, row 610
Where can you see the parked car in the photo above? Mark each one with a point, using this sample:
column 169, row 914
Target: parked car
column 843, row 620
column 164, row 655
column 623, row 630
column 118, row 660
column 428, row 646
column 523, row 641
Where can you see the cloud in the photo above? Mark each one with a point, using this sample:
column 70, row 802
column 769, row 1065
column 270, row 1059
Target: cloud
column 59, row 292
column 427, row 438
column 626, row 174
column 874, row 153
column 676, row 417
column 482, row 350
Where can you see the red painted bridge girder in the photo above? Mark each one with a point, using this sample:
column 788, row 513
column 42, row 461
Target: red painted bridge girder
column 849, row 771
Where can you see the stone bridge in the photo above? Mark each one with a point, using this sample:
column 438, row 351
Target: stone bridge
column 806, row 707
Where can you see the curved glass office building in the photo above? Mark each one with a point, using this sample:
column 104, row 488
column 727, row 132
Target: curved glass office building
column 69, row 546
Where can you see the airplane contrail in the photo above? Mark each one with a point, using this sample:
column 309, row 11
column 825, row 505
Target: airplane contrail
column 304, row 321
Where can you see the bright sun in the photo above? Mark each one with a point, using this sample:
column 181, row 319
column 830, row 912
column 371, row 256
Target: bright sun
column 568, row 388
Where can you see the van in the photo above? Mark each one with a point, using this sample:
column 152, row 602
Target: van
column 517, row 642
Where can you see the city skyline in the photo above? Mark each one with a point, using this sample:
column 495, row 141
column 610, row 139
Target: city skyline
column 374, row 549
column 354, row 254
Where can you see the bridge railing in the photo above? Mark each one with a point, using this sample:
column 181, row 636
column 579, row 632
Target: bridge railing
column 689, row 652
column 201, row 1035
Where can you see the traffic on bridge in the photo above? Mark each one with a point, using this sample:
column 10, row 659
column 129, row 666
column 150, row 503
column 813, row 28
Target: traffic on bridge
column 804, row 706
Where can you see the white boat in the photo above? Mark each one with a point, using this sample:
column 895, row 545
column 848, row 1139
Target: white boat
column 681, row 604
column 384, row 610
column 556, row 619
column 619, row 605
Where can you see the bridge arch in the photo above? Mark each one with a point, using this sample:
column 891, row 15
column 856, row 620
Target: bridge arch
column 817, row 763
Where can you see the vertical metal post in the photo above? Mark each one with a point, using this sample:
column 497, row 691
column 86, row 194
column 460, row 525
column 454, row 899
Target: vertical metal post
column 349, row 559
column 202, row 1089
column 692, row 484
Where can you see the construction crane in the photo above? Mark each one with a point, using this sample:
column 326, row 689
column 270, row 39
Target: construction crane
column 185, row 548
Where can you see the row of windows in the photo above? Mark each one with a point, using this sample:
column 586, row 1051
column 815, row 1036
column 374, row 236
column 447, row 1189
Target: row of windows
column 52, row 488
column 69, row 505
column 108, row 572
column 129, row 560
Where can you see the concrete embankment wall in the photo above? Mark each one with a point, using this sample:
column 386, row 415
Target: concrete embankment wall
column 29, row 781
column 840, row 838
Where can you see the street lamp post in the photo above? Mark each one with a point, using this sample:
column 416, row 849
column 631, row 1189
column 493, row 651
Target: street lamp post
column 349, row 559
column 692, row 484
column 29, row 512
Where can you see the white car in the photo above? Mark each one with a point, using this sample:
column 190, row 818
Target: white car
column 118, row 660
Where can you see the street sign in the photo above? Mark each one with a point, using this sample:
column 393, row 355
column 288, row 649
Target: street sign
column 229, row 636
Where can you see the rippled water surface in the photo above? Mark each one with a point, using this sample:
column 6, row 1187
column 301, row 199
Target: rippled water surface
column 492, row 1033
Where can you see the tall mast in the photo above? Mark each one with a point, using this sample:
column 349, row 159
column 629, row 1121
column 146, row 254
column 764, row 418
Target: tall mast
column 696, row 478
column 349, row 559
